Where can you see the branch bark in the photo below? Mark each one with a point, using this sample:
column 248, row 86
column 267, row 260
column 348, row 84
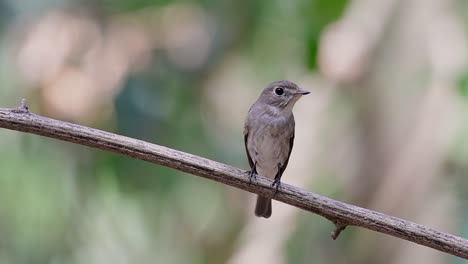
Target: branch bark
column 341, row 214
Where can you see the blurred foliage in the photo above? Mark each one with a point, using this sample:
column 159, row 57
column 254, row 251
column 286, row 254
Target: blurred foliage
column 125, row 6
column 463, row 86
column 320, row 14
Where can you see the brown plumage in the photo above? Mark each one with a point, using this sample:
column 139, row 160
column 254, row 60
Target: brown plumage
column 269, row 135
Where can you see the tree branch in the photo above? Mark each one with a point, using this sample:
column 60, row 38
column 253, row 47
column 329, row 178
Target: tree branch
column 341, row 214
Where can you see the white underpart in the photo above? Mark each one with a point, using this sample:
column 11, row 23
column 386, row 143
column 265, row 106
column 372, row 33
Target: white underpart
column 269, row 152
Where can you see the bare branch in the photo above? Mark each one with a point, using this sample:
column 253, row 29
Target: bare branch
column 341, row 214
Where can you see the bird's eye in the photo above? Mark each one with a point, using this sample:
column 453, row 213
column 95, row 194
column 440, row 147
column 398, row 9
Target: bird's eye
column 279, row 91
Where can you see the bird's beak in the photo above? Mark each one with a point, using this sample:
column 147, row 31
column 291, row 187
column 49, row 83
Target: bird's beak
column 302, row 92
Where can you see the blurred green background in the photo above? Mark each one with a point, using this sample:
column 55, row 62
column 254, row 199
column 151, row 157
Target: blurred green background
column 385, row 126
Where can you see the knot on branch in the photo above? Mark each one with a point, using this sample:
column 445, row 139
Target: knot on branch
column 339, row 226
column 22, row 109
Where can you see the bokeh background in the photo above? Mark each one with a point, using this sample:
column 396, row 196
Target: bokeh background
column 385, row 127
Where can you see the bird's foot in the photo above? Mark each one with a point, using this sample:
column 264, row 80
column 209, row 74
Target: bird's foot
column 276, row 182
column 252, row 174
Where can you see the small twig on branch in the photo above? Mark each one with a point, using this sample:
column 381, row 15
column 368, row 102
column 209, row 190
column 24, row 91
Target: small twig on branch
column 339, row 226
column 23, row 108
column 341, row 214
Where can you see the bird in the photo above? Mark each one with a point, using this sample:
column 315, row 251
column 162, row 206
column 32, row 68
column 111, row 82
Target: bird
column 269, row 135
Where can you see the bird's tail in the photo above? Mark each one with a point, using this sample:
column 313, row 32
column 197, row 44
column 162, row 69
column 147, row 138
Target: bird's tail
column 263, row 207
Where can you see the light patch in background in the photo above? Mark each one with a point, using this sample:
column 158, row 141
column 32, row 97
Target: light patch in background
column 188, row 34
column 78, row 66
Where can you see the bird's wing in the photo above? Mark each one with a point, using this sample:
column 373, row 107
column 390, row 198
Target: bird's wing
column 246, row 136
column 291, row 144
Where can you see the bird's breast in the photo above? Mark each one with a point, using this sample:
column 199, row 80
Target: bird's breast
column 270, row 143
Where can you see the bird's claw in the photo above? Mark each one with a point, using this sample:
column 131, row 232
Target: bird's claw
column 252, row 174
column 276, row 182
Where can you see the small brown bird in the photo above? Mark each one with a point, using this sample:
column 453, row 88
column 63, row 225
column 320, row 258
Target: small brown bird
column 269, row 135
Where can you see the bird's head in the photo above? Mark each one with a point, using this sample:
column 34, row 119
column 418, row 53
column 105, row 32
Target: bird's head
column 282, row 95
